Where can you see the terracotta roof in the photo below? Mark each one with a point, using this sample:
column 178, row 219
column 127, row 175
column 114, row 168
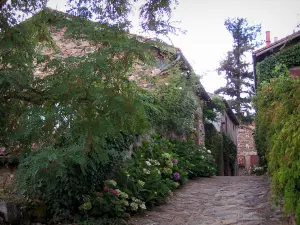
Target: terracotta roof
column 277, row 43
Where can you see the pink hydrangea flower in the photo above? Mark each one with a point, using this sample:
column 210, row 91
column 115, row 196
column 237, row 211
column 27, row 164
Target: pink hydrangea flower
column 115, row 192
column 106, row 188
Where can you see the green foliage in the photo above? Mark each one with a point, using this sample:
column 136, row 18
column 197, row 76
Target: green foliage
column 63, row 177
column 235, row 68
column 155, row 170
column 213, row 108
column 195, row 159
column 72, row 129
column 149, row 175
column 154, row 16
column 229, row 155
column 289, row 57
column 278, row 121
column 102, row 221
column 180, row 105
column 214, row 142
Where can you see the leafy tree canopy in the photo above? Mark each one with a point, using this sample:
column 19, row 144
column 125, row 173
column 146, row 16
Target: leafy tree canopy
column 239, row 80
column 90, row 94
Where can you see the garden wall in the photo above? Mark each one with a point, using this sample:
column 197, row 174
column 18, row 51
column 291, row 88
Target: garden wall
column 247, row 153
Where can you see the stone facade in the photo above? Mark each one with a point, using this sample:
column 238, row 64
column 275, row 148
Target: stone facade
column 247, row 154
column 66, row 47
column 7, row 172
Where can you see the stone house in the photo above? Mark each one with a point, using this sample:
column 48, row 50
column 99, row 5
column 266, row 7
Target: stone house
column 227, row 122
column 281, row 51
column 247, row 154
column 66, row 47
column 272, row 48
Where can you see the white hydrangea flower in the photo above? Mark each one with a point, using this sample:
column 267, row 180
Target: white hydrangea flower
column 180, row 88
column 166, row 155
column 124, row 202
column 110, row 182
column 202, row 157
column 134, row 206
column 167, row 84
column 146, row 171
column 158, row 171
column 141, row 183
column 209, row 151
column 143, row 206
column 134, row 199
column 148, row 163
column 123, row 195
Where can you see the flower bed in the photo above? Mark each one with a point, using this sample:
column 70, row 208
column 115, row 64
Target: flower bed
column 155, row 170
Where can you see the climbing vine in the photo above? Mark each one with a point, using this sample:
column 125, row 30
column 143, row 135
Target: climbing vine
column 180, row 105
column 214, row 142
column 229, row 154
column 278, row 131
column 212, row 109
column 289, row 57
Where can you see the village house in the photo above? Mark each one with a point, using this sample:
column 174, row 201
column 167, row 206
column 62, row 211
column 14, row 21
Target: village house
column 284, row 51
column 228, row 123
column 166, row 56
column 247, row 154
column 273, row 48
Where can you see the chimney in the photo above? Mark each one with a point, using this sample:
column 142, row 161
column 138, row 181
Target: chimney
column 275, row 39
column 268, row 38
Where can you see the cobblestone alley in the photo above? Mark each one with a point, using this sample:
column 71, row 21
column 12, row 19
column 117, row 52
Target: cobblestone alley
column 240, row 200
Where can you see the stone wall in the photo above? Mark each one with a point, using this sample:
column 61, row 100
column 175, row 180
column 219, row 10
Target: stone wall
column 247, row 153
column 7, row 172
column 66, row 47
column 246, row 144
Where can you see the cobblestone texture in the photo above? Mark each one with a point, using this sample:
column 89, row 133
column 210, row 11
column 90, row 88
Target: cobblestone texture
column 217, row 201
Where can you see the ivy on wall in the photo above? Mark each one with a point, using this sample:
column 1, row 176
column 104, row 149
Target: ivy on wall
column 289, row 57
column 214, row 142
column 223, row 149
column 229, row 154
column 179, row 103
column 277, row 136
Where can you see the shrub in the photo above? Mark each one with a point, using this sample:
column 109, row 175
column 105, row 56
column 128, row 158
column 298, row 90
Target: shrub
column 196, row 159
column 229, row 155
column 214, row 142
column 289, row 57
column 180, row 104
column 155, row 170
column 64, row 178
column 278, row 118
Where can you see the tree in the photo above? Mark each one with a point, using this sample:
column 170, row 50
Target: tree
column 66, row 125
column 239, row 80
column 23, row 96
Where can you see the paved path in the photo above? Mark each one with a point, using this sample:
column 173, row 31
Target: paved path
column 240, row 200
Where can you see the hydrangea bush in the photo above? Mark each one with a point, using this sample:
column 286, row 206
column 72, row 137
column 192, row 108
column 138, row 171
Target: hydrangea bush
column 155, row 170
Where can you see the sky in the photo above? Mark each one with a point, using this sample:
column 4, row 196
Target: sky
column 207, row 40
